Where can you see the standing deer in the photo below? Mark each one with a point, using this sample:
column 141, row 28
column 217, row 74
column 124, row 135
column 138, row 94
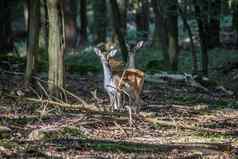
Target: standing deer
column 129, row 81
column 110, row 81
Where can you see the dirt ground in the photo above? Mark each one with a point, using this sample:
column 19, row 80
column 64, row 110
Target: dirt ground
column 177, row 121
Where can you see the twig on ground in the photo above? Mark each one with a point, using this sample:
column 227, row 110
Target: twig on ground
column 121, row 128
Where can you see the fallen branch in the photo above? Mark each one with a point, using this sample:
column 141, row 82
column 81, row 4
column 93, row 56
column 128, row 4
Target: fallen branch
column 190, row 127
column 122, row 116
column 88, row 108
column 123, row 146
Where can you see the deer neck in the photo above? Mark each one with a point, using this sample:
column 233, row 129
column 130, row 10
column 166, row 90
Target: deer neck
column 131, row 60
column 107, row 71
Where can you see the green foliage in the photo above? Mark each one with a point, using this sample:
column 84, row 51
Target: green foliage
column 83, row 62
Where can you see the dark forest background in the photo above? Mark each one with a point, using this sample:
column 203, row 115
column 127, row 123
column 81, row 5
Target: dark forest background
column 53, row 101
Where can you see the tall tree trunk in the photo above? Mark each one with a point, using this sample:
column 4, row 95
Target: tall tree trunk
column 123, row 7
column 214, row 24
column 100, row 21
column 45, row 23
column 117, row 24
column 187, row 27
column 235, row 18
column 202, row 21
column 56, row 49
column 142, row 19
column 70, row 26
column 83, row 22
column 43, row 35
column 33, row 38
column 172, row 26
column 160, row 39
column 26, row 13
column 6, row 42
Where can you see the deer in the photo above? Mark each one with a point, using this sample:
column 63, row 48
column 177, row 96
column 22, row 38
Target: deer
column 118, row 79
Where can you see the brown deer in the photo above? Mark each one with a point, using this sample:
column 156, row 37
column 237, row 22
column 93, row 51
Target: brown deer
column 118, row 80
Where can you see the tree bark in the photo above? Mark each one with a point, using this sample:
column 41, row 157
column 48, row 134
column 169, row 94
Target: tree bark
column 193, row 50
column 6, row 42
column 45, row 23
column 70, row 26
column 214, row 24
column 202, row 21
column 142, row 20
column 160, row 39
column 117, row 24
column 123, row 6
column 100, row 22
column 172, row 26
column 235, row 18
column 56, row 49
column 33, row 38
column 83, row 22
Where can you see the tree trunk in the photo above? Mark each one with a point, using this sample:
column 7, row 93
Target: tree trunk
column 6, row 42
column 33, row 38
column 100, row 22
column 83, row 22
column 214, row 24
column 235, row 18
column 56, row 49
column 26, row 13
column 117, row 24
column 142, row 20
column 70, row 26
column 45, row 23
column 202, row 21
column 172, row 26
column 43, row 35
column 193, row 50
column 160, row 39
column 123, row 6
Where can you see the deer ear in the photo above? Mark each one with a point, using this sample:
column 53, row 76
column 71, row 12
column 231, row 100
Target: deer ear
column 139, row 44
column 112, row 53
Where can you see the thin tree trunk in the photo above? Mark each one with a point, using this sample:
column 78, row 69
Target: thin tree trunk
column 56, row 49
column 45, row 26
column 33, row 38
column 26, row 13
column 6, row 42
column 100, row 21
column 70, row 23
column 187, row 27
column 172, row 26
column 117, row 23
column 160, row 39
column 202, row 28
column 123, row 7
column 83, row 22
column 214, row 24
column 142, row 20
column 235, row 18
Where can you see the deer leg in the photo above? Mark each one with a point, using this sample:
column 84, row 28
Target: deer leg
column 112, row 101
column 130, row 115
column 119, row 99
column 137, row 105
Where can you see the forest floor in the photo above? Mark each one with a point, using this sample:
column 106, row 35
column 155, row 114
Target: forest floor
column 177, row 121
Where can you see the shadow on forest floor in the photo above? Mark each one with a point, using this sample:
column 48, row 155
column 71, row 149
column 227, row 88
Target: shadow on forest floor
column 177, row 122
